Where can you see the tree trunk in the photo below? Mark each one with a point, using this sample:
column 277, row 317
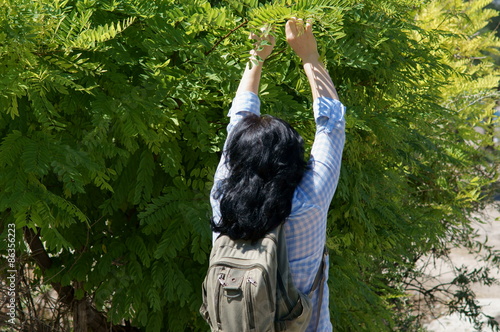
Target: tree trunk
column 85, row 316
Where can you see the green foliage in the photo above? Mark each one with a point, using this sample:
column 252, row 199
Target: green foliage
column 112, row 118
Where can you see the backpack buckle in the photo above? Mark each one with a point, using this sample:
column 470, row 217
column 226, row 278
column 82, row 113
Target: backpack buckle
column 232, row 284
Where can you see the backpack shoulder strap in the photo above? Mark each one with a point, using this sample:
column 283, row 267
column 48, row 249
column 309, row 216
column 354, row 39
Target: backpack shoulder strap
column 319, row 280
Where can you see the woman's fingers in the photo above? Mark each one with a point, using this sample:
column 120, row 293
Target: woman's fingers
column 295, row 27
column 264, row 35
column 291, row 28
column 309, row 26
column 263, row 50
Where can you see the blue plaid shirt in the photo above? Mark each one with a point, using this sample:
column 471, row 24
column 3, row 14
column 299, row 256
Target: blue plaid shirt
column 305, row 228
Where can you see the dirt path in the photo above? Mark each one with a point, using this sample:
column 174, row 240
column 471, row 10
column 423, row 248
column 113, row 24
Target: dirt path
column 488, row 297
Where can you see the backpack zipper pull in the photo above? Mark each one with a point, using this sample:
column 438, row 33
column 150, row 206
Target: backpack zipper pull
column 221, row 279
column 253, row 282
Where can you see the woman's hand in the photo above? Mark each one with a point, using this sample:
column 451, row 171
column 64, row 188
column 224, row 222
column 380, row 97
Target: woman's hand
column 251, row 77
column 301, row 40
column 262, row 51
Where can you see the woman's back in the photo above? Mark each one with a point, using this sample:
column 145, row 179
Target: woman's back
column 305, row 207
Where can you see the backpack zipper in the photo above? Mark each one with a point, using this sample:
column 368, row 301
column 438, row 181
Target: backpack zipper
column 251, row 317
column 217, row 301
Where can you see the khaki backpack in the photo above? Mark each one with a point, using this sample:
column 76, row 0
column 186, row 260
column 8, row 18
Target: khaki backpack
column 248, row 287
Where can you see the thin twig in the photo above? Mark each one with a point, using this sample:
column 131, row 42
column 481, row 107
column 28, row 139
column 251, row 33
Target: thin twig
column 225, row 37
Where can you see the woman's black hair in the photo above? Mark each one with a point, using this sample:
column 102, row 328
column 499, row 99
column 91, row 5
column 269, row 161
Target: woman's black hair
column 265, row 158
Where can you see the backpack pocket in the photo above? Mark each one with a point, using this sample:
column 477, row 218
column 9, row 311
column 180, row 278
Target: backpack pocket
column 294, row 307
column 238, row 299
column 298, row 317
column 210, row 308
column 259, row 301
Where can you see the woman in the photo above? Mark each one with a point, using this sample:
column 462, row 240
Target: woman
column 262, row 178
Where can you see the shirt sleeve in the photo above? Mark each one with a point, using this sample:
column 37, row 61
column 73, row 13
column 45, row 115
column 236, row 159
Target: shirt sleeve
column 306, row 226
column 326, row 152
column 244, row 104
column 321, row 178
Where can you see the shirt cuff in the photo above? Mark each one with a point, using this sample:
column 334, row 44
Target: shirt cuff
column 328, row 113
column 245, row 102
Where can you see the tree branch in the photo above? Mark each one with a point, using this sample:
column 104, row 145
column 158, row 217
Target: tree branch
column 225, row 37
